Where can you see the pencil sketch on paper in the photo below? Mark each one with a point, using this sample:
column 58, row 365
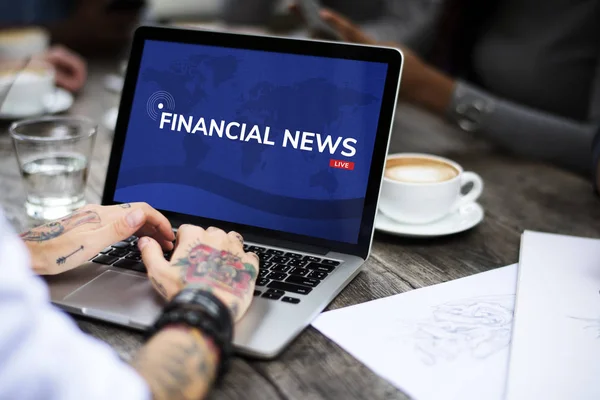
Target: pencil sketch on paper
column 475, row 327
column 592, row 324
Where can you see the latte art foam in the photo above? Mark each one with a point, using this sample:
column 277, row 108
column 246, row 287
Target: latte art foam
column 413, row 170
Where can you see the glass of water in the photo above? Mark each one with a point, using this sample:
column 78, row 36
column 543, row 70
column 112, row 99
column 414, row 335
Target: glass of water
column 54, row 156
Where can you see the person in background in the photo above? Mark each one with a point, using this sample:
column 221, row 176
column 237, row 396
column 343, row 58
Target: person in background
column 208, row 285
column 89, row 27
column 76, row 28
column 70, row 68
column 524, row 74
column 396, row 20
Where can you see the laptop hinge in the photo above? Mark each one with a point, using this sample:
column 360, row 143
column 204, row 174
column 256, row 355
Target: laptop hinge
column 248, row 237
column 305, row 248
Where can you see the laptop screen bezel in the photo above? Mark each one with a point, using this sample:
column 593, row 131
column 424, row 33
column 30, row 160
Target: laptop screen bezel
column 391, row 57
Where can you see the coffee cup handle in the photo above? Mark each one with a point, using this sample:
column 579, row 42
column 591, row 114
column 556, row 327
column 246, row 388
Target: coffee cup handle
column 474, row 193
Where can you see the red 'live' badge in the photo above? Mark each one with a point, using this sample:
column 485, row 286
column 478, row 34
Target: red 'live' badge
column 341, row 164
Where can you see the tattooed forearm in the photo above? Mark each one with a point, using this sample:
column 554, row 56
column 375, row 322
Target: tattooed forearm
column 45, row 232
column 205, row 265
column 57, row 228
column 178, row 364
column 62, row 260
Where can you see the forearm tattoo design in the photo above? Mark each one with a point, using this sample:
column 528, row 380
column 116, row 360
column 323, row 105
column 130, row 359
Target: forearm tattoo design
column 213, row 268
column 57, row 228
column 178, row 370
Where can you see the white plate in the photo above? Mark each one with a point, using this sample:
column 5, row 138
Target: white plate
column 110, row 119
column 59, row 101
column 114, row 83
column 464, row 218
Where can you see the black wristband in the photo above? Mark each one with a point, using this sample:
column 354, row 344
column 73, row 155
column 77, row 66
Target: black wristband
column 204, row 311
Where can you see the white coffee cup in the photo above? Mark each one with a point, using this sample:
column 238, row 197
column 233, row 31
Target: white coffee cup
column 26, row 89
column 20, row 43
column 422, row 188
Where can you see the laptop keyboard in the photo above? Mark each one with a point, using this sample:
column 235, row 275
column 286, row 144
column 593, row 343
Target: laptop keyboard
column 288, row 276
column 124, row 255
column 283, row 276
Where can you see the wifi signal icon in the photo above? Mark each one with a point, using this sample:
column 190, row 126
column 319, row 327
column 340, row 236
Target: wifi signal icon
column 159, row 102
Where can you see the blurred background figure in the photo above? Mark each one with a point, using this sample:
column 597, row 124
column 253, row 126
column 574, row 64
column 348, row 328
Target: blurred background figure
column 65, row 32
column 384, row 20
column 492, row 68
column 89, row 27
column 524, row 74
column 25, row 48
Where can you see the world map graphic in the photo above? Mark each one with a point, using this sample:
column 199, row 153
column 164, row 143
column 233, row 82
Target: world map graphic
column 197, row 79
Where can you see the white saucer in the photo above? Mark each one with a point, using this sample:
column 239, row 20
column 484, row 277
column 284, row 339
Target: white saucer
column 59, row 101
column 464, row 218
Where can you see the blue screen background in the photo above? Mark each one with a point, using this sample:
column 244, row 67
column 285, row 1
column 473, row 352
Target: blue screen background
column 274, row 187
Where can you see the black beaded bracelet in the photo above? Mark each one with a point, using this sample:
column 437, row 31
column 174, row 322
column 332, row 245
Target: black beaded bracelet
column 204, row 311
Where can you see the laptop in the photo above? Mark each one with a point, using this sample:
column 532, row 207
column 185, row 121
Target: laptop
column 282, row 140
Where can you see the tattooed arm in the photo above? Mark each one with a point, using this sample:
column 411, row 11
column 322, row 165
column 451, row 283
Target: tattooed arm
column 179, row 362
column 64, row 244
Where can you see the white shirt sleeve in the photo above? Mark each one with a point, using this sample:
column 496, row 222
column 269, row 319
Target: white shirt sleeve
column 43, row 354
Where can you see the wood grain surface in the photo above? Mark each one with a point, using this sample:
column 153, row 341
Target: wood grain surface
column 518, row 195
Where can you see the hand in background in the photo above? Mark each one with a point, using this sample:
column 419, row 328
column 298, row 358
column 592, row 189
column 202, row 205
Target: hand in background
column 66, row 243
column 414, row 67
column 71, row 69
column 421, row 84
column 347, row 29
column 208, row 259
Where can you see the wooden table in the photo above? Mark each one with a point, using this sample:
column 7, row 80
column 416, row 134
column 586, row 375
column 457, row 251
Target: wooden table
column 519, row 195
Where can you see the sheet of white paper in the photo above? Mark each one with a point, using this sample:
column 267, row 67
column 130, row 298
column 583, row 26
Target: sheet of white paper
column 555, row 351
column 438, row 342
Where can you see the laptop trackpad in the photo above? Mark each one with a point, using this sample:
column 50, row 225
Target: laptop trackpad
column 118, row 297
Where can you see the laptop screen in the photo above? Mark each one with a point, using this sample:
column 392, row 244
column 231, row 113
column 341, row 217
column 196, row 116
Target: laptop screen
column 270, row 140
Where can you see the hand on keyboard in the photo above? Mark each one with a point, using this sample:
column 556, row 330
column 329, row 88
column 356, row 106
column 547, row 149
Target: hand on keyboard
column 208, row 259
column 66, row 243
